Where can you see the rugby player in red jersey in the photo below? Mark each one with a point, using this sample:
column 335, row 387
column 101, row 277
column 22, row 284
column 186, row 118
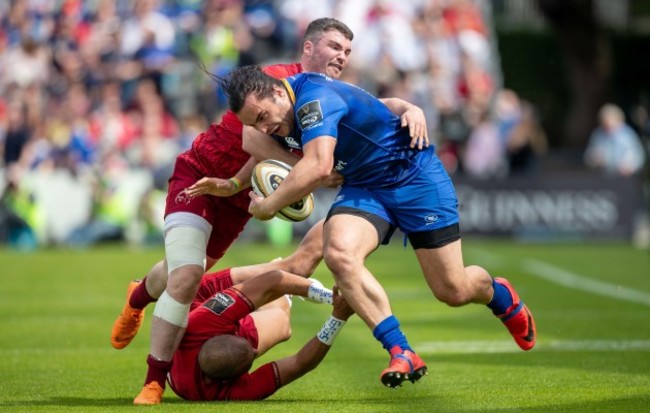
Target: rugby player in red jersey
column 199, row 229
column 229, row 326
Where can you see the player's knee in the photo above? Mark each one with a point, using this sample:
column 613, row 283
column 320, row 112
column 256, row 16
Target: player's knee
column 339, row 260
column 184, row 282
column 285, row 330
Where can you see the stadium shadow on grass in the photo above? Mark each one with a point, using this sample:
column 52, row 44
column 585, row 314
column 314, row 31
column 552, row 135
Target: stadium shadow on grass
column 624, row 404
column 631, row 362
column 82, row 401
column 274, row 400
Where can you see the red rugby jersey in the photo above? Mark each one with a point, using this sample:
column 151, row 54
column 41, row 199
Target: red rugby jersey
column 217, row 152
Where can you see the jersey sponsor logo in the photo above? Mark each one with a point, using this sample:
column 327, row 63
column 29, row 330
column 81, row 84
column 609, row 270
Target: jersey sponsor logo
column 219, row 303
column 291, row 142
column 310, row 114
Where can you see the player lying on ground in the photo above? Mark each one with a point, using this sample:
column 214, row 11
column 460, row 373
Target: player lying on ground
column 229, row 326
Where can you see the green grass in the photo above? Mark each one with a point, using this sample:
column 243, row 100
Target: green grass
column 593, row 353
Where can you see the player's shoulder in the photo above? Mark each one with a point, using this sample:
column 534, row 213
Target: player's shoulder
column 310, row 81
column 282, row 70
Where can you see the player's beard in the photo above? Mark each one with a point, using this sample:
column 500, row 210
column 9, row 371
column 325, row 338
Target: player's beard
column 286, row 125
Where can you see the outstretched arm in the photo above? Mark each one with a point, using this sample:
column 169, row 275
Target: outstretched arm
column 411, row 116
column 293, row 367
column 276, row 283
column 224, row 187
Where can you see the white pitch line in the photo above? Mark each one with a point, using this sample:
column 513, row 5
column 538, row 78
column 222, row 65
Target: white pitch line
column 568, row 279
column 501, row 346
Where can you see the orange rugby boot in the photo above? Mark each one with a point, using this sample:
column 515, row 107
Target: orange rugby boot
column 128, row 323
column 404, row 365
column 150, row 394
column 518, row 319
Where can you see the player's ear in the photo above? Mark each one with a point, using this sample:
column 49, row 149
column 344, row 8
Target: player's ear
column 308, row 48
column 279, row 91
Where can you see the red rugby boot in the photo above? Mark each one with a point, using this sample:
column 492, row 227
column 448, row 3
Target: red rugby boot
column 518, row 319
column 404, row 365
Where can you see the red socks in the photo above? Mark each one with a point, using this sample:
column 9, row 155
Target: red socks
column 157, row 370
column 140, row 297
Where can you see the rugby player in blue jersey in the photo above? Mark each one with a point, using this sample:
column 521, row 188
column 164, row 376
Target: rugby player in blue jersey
column 389, row 183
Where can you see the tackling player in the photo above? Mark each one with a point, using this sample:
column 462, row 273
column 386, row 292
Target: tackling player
column 229, row 326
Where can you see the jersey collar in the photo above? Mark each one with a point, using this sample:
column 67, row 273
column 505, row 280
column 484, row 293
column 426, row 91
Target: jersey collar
column 292, row 95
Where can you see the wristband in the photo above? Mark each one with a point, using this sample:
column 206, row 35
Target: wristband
column 330, row 330
column 236, row 182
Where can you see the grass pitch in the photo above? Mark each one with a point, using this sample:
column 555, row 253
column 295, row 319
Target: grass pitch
column 591, row 303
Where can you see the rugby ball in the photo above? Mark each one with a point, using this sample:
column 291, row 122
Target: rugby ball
column 267, row 176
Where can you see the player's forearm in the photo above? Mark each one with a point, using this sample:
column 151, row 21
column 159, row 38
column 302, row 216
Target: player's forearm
column 312, row 353
column 303, row 179
column 397, row 106
column 263, row 147
column 242, row 179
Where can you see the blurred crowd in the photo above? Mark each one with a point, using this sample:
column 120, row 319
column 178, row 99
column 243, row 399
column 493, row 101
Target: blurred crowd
column 103, row 94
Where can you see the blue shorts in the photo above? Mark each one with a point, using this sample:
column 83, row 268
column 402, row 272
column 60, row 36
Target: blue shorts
column 428, row 202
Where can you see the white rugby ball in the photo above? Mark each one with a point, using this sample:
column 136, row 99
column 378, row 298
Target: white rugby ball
column 267, row 176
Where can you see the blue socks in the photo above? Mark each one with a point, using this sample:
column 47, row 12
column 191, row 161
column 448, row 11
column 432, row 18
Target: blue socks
column 501, row 300
column 388, row 333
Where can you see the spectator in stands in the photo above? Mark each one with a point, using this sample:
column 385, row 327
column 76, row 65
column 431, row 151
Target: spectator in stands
column 147, row 43
column 18, row 133
column 113, row 131
column 614, row 147
column 19, row 215
column 28, row 63
column 223, row 41
column 51, row 52
column 157, row 131
column 526, row 143
column 483, row 154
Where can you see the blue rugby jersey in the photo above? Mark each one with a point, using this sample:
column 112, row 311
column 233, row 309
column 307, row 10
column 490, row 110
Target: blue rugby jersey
column 372, row 149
